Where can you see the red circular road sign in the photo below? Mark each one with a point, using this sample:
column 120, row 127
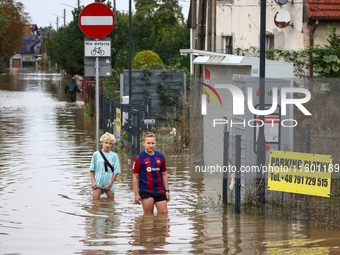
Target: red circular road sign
column 96, row 20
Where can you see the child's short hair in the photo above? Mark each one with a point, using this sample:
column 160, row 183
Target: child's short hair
column 148, row 134
column 108, row 137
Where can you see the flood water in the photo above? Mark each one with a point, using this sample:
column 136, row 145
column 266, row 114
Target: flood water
column 46, row 203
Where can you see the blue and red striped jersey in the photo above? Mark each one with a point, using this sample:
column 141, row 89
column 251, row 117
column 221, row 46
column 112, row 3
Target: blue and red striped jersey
column 150, row 168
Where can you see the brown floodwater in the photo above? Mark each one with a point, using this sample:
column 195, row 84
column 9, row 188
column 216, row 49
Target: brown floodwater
column 46, row 206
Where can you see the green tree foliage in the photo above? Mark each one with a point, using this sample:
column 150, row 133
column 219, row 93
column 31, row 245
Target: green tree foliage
column 3, row 21
column 159, row 26
column 67, row 47
column 13, row 21
column 326, row 58
column 47, row 31
column 146, row 58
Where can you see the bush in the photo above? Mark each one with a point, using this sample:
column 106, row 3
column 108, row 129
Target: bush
column 146, row 58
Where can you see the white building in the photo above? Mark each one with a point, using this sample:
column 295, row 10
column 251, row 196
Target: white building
column 29, row 50
column 223, row 25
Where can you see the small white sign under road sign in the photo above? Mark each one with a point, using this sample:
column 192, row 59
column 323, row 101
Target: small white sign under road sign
column 97, row 48
column 149, row 121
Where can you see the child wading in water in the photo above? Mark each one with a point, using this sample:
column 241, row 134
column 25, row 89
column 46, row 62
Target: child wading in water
column 150, row 180
column 104, row 168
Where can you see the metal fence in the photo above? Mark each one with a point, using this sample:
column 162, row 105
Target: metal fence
column 131, row 120
column 320, row 210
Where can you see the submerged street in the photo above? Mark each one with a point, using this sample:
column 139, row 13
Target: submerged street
column 46, row 145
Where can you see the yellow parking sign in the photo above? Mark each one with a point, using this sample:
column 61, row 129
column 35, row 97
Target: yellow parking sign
column 118, row 119
column 302, row 173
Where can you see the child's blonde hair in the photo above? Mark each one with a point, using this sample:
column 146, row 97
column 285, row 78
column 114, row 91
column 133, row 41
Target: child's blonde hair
column 148, row 134
column 108, row 137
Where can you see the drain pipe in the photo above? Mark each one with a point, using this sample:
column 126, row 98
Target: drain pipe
column 311, row 43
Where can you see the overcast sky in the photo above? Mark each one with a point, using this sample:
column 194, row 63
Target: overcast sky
column 45, row 12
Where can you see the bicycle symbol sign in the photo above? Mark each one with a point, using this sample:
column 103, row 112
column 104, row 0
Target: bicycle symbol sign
column 97, row 48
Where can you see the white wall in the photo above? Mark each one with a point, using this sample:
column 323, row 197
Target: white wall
column 242, row 21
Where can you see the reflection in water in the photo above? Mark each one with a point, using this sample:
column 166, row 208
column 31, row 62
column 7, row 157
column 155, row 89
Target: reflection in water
column 45, row 192
column 101, row 223
column 150, row 233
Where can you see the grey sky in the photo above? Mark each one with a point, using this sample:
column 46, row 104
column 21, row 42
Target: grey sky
column 45, row 12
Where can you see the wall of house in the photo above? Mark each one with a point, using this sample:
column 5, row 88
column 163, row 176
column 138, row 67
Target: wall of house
column 242, row 21
column 321, row 32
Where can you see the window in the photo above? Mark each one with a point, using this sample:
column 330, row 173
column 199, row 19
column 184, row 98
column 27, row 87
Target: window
column 228, row 44
column 269, row 42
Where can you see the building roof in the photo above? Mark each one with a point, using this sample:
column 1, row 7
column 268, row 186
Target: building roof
column 323, row 9
column 31, row 38
column 32, row 29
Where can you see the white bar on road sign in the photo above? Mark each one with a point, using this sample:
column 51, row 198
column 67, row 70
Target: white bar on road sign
column 96, row 20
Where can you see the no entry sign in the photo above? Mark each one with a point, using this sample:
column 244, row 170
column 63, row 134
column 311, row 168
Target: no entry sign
column 96, row 20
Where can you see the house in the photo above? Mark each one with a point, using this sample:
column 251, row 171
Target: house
column 223, row 25
column 30, row 48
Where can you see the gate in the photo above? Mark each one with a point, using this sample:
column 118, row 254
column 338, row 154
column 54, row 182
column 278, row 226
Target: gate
column 117, row 118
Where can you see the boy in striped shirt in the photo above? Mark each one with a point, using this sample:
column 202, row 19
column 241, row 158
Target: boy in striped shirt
column 150, row 180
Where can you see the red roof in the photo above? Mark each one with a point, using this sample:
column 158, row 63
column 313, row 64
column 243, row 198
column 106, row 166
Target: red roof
column 30, row 29
column 324, row 9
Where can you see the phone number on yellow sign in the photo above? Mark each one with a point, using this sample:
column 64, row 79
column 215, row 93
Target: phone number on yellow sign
column 306, row 180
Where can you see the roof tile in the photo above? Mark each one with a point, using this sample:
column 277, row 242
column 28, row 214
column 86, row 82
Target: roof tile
column 324, row 9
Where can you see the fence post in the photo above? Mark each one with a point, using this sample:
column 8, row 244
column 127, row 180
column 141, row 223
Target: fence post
column 112, row 115
column 149, row 107
column 104, row 113
column 135, row 132
column 131, row 132
column 238, row 173
column 225, row 164
column 129, row 108
column 138, row 134
column 308, row 138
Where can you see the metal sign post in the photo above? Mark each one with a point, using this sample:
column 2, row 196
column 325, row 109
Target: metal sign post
column 96, row 20
column 97, row 59
column 97, row 103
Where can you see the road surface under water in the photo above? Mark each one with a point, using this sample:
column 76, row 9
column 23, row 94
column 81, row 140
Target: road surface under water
column 46, row 206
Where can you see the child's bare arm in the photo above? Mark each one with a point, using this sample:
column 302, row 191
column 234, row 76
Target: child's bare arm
column 135, row 187
column 94, row 184
column 166, row 185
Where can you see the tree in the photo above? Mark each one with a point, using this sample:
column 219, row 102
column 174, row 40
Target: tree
column 13, row 23
column 47, row 31
column 159, row 26
column 326, row 58
column 67, row 46
column 146, row 57
column 3, row 22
